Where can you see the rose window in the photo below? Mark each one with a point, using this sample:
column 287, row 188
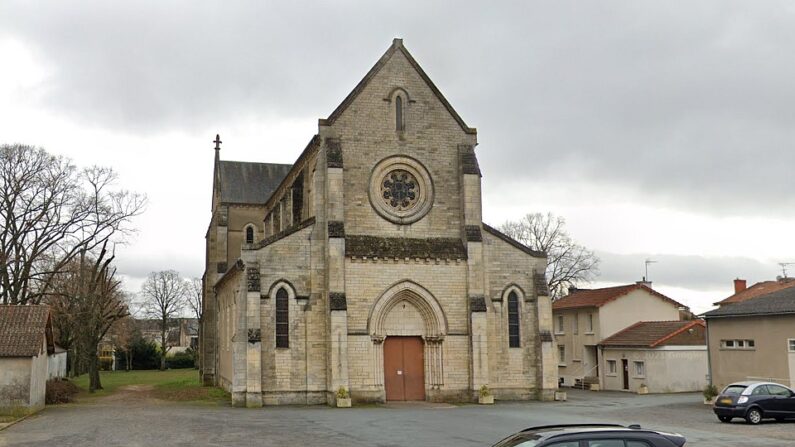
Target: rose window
column 400, row 190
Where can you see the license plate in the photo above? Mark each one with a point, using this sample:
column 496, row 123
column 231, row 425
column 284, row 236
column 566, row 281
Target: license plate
column 726, row 401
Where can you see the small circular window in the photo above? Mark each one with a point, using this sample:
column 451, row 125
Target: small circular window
column 401, row 190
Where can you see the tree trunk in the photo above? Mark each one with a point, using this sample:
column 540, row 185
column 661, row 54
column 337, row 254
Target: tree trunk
column 93, row 370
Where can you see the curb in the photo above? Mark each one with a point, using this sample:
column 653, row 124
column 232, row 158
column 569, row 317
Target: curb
column 18, row 420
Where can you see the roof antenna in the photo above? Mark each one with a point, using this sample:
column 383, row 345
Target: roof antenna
column 784, row 266
column 647, row 262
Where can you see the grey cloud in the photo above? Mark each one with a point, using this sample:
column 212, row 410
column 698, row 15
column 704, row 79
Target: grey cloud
column 689, row 105
column 689, row 272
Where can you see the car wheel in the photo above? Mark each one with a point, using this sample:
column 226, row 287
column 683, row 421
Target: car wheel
column 725, row 418
column 754, row 416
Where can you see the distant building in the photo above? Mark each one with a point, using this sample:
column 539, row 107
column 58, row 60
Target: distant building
column 585, row 317
column 26, row 341
column 754, row 338
column 666, row 356
column 744, row 293
column 181, row 333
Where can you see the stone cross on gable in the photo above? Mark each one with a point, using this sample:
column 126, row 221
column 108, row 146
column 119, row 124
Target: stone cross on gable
column 217, row 142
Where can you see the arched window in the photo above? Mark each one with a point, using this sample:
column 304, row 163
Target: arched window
column 399, row 124
column 513, row 320
column 249, row 234
column 282, row 319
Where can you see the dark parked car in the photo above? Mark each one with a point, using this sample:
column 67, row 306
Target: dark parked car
column 755, row 401
column 591, row 435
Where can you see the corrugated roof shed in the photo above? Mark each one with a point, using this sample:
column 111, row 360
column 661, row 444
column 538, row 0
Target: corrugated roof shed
column 250, row 183
column 23, row 330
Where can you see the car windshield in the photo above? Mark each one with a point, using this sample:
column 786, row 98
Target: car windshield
column 520, row 440
column 734, row 389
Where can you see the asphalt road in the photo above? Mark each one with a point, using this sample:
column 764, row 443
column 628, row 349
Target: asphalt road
column 132, row 419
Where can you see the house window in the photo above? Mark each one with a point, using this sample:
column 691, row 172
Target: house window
column 513, row 320
column 575, row 323
column 640, row 368
column 590, row 323
column 561, row 354
column 738, row 344
column 282, row 319
column 791, row 343
column 399, row 123
column 611, row 366
column 249, row 234
column 560, row 324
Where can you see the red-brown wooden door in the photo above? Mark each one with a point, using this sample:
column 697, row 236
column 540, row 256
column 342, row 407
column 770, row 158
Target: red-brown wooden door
column 404, row 370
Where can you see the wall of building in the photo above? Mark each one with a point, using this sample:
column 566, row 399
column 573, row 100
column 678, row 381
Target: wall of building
column 635, row 306
column 15, row 382
column 431, row 136
column 668, row 369
column 226, row 294
column 56, row 365
column 768, row 360
column 579, row 345
column 512, row 371
column 38, row 378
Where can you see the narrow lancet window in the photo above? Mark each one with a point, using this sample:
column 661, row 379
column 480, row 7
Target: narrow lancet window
column 513, row 321
column 282, row 319
column 399, row 124
column 249, row 235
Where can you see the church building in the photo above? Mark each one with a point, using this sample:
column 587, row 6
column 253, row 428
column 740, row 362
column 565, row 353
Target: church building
column 366, row 266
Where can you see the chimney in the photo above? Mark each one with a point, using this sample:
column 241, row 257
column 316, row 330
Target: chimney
column 644, row 283
column 739, row 285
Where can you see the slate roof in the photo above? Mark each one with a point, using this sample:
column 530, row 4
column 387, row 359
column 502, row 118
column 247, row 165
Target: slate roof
column 23, row 330
column 600, row 297
column 780, row 302
column 250, row 183
column 758, row 289
column 651, row 334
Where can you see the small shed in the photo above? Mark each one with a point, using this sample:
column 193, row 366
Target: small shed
column 26, row 341
column 665, row 356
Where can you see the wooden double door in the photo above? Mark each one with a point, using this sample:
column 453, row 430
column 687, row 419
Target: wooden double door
column 404, row 370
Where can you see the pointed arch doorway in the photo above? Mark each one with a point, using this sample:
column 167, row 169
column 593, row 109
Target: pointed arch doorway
column 404, row 372
column 407, row 327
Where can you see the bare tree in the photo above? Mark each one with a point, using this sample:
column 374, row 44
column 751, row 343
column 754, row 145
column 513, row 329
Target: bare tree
column 568, row 263
column 50, row 212
column 164, row 295
column 87, row 300
column 194, row 298
column 122, row 335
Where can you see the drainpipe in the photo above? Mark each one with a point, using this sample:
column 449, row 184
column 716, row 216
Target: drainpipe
column 709, row 354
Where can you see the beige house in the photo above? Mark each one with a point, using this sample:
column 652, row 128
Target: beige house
column 370, row 268
column 663, row 356
column 26, row 340
column 585, row 317
column 753, row 339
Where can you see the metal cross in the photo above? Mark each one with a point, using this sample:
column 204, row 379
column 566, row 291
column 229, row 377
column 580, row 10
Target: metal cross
column 217, row 142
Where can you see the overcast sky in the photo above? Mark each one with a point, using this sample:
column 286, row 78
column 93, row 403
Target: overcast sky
column 659, row 130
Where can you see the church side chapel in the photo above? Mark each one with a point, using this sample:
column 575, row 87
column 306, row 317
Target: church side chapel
column 365, row 266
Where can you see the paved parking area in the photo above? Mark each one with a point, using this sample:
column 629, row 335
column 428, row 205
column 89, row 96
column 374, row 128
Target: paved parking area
column 128, row 421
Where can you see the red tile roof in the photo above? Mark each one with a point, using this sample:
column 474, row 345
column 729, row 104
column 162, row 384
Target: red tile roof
column 758, row 289
column 600, row 297
column 23, row 330
column 650, row 334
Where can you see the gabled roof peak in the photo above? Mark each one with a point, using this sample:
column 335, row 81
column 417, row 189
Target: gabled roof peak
column 397, row 45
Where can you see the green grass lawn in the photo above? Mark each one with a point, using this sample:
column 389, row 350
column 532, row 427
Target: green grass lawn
column 173, row 384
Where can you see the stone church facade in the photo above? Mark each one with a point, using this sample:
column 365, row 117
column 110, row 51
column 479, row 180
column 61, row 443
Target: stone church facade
column 365, row 265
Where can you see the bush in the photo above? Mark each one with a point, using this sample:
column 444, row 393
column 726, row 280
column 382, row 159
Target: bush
column 181, row 360
column 710, row 391
column 60, row 391
column 145, row 355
